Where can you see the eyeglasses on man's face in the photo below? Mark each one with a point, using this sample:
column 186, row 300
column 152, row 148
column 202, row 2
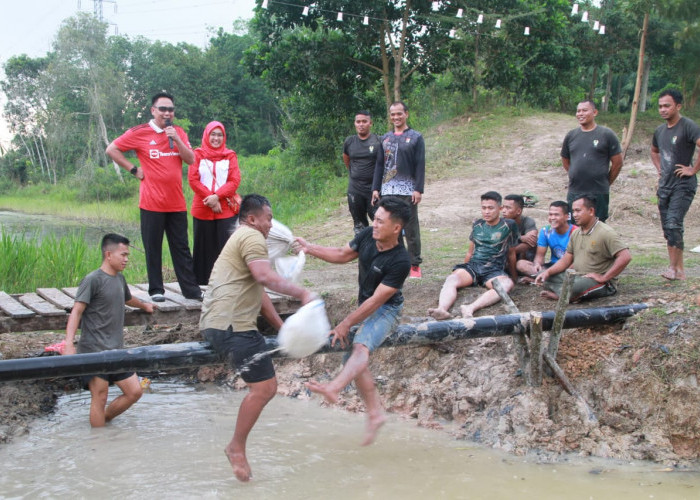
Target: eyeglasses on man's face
column 165, row 109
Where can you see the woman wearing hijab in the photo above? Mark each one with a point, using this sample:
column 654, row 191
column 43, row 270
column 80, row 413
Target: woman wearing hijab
column 214, row 177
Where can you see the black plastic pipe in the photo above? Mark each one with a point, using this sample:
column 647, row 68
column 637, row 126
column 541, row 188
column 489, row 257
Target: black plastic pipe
column 190, row 354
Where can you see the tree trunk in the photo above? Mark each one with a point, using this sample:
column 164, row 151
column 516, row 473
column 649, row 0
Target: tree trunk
column 645, row 85
column 594, row 83
column 477, row 72
column 627, row 140
column 386, row 38
column 608, row 85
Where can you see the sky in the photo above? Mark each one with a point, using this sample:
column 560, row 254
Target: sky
column 30, row 26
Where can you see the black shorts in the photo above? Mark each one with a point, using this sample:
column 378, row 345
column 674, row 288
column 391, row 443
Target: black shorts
column 109, row 377
column 238, row 348
column 480, row 274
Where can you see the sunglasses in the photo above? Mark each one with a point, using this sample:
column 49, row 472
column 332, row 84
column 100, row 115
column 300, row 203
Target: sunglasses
column 165, row 109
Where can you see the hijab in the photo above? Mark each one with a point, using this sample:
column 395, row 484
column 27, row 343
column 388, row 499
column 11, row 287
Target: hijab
column 208, row 151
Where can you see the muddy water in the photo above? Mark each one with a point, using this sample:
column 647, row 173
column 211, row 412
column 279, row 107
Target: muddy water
column 171, row 446
column 42, row 226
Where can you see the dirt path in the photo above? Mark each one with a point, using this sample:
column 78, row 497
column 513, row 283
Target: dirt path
column 640, row 379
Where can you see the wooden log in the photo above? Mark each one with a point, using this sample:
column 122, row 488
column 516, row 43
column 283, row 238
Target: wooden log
column 200, row 353
column 14, row 309
column 521, row 348
column 586, row 410
column 57, row 298
column 536, row 349
column 167, row 306
column 561, row 308
column 40, row 306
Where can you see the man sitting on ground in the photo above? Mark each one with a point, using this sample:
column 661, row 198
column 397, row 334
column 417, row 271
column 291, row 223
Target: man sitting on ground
column 513, row 206
column 596, row 252
column 491, row 238
column 555, row 236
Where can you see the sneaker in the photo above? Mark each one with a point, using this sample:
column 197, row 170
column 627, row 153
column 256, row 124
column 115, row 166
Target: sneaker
column 415, row 272
column 158, row 297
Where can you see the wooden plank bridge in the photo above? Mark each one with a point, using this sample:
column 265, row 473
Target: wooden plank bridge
column 48, row 308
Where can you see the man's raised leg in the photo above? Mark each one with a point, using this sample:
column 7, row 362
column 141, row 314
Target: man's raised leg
column 131, row 392
column 259, row 394
column 356, row 363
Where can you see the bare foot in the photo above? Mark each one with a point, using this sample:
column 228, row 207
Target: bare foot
column 322, row 389
column 467, row 311
column 240, row 466
column 439, row 314
column 373, row 425
column 669, row 274
column 549, row 295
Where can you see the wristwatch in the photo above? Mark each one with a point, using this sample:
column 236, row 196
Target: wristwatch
column 134, row 169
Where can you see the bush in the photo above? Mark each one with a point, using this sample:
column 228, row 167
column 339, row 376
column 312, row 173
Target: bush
column 103, row 184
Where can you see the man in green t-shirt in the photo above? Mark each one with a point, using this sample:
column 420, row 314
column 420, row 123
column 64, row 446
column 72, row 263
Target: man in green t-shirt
column 490, row 242
column 597, row 254
column 230, row 309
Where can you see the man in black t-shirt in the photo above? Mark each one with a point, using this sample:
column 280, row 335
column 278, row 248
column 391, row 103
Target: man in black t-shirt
column 672, row 152
column 592, row 156
column 360, row 155
column 383, row 265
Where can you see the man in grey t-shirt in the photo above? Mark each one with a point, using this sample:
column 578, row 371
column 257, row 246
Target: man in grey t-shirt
column 99, row 310
column 672, row 152
column 592, row 156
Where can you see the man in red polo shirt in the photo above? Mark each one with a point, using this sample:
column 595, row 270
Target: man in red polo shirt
column 161, row 149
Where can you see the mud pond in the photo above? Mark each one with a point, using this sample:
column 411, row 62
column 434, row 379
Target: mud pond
column 170, row 445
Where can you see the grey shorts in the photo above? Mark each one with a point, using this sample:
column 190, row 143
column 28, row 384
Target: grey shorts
column 239, row 349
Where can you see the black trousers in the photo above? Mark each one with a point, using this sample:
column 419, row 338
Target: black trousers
column 174, row 225
column 361, row 210
column 411, row 231
column 210, row 236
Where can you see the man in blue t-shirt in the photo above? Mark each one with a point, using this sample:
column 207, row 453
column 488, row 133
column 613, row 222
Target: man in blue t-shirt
column 489, row 249
column 383, row 267
column 672, row 152
column 555, row 236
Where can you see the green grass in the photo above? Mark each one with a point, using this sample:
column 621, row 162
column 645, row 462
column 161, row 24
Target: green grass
column 27, row 264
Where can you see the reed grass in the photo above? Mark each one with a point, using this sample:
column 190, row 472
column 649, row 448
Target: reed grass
column 30, row 263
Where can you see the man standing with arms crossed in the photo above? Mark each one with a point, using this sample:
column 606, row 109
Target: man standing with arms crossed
column 161, row 147
column 383, row 267
column 672, row 154
column 592, row 156
column 400, row 172
column 235, row 297
column 360, row 156
column 99, row 312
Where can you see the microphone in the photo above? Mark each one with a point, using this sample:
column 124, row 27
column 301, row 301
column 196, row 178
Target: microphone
column 168, row 123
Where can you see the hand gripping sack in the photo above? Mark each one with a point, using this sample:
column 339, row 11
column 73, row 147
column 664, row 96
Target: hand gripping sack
column 305, row 331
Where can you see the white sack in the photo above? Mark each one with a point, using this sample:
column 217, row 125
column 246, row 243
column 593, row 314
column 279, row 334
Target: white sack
column 305, row 331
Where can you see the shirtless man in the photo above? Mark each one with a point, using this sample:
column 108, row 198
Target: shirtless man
column 383, row 265
column 490, row 241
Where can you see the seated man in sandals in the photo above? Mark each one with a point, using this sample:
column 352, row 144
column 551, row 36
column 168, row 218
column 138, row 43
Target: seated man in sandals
column 490, row 241
column 596, row 252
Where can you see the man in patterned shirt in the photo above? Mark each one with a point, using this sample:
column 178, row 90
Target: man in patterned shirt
column 400, row 172
column 491, row 239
